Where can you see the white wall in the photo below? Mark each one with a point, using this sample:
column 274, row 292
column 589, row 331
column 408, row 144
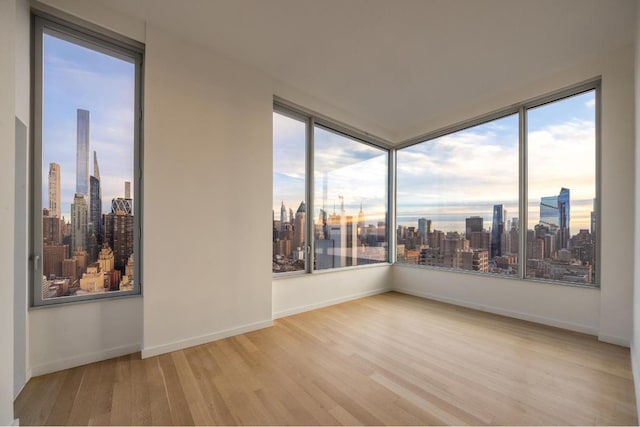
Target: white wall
column 75, row 334
column 606, row 312
column 298, row 293
column 61, row 337
column 635, row 356
column 21, row 206
column 207, row 189
column 7, row 182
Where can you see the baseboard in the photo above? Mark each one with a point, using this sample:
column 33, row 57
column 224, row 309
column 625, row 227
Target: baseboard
column 203, row 339
column 611, row 339
column 327, row 303
column 27, row 377
column 576, row 327
column 16, row 422
column 83, row 359
column 636, row 376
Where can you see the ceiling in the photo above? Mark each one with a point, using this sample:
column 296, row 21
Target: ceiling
column 395, row 62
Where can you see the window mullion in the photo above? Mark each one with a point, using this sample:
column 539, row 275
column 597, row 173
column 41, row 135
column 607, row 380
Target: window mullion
column 523, row 198
column 309, row 170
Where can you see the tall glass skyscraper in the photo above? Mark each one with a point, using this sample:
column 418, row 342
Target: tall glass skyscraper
column 555, row 211
column 82, row 152
column 497, row 229
column 95, row 201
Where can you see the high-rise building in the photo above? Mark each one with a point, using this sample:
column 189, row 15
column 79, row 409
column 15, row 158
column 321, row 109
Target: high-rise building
column 127, row 189
column 53, row 256
column 120, row 205
column 473, row 224
column 79, row 222
column 70, row 269
column 298, row 227
column 424, row 228
column 497, row 230
column 555, row 212
column 51, row 229
column 95, row 202
column 362, row 232
column 82, row 152
column 106, row 259
column 283, row 216
column 119, row 236
column 54, row 190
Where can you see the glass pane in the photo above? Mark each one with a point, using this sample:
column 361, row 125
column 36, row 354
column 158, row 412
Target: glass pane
column 87, row 170
column 457, row 200
column 350, row 201
column 561, row 229
column 289, row 185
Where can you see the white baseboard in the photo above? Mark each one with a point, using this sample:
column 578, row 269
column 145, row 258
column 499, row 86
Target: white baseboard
column 83, row 359
column 636, row 376
column 327, row 303
column 203, row 339
column 576, row 327
column 623, row 342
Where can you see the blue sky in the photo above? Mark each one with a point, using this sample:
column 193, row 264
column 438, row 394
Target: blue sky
column 76, row 77
column 458, row 175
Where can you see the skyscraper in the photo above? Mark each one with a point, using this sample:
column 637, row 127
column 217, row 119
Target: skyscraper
column 79, row 223
column 497, row 230
column 54, row 190
column 555, row 212
column 283, row 217
column 424, row 228
column 95, row 202
column 82, row 152
column 298, row 227
column 473, row 224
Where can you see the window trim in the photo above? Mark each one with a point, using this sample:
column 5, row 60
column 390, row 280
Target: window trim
column 521, row 109
column 66, row 27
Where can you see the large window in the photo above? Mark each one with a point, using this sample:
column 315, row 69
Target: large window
column 457, row 199
column 350, row 201
column 86, row 165
column 332, row 185
column 514, row 195
column 562, row 220
column 289, row 193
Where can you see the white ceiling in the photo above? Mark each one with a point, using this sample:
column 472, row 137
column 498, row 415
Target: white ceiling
column 395, row 62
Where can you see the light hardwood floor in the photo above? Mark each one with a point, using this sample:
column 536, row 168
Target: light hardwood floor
column 387, row 359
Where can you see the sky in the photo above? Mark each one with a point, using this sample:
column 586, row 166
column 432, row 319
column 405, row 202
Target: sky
column 76, row 77
column 450, row 178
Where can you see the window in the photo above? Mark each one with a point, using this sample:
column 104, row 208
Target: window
column 332, row 183
column 463, row 194
column 350, row 200
column 561, row 166
column 289, row 193
column 86, row 165
column 457, row 199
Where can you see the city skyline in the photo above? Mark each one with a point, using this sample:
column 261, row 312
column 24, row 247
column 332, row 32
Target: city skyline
column 80, row 78
column 557, row 132
column 88, row 223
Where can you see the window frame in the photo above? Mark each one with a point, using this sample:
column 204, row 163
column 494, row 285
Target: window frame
column 521, row 108
column 88, row 35
column 313, row 119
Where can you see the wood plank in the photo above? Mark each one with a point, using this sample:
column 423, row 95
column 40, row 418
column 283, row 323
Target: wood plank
column 382, row 360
